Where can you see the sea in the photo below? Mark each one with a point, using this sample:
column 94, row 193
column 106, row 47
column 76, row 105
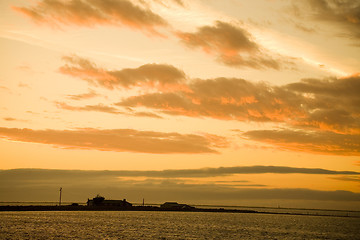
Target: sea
column 173, row 225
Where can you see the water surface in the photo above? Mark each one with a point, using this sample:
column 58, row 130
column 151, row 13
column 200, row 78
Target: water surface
column 173, row 225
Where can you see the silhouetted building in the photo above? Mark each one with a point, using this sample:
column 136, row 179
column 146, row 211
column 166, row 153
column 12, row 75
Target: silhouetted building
column 100, row 201
column 175, row 205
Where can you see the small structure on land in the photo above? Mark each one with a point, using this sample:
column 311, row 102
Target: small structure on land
column 60, row 196
column 101, row 201
column 176, row 206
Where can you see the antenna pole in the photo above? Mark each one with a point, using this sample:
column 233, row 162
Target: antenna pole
column 60, row 196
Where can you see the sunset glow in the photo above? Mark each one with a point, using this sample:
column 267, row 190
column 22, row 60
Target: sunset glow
column 213, row 102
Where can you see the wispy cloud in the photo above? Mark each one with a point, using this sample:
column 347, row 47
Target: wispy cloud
column 144, row 114
column 347, row 178
column 96, row 108
column 4, row 88
column 180, row 173
column 24, row 85
column 105, row 109
column 90, row 94
column 309, row 141
column 232, row 46
column 94, row 12
column 10, row 119
column 227, row 171
column 344, row 16
column 121, row 140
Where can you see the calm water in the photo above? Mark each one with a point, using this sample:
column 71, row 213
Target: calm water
column 173, row 225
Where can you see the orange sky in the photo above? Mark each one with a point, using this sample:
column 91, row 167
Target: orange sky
column 206, row 86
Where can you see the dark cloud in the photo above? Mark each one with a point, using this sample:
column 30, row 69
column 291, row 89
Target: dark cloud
column 93, row 12
column 308, row 141
column 232, row 45
column 42, row 185
column 344, row 15
column 121, row 140
column 160, row 76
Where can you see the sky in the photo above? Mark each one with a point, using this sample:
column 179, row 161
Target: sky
column 252, row 103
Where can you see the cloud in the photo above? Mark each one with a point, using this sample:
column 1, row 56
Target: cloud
column 10, row 119
column 307, row 141
column 303, row 27
column 120, row 140
column 224, row 98
column 160, row 76
column 90, row 94
column 96, row 108
column 23, row 85
column 171, row 4
column 105, row 109
column 179, row 2
column 320, row 104
column 331, row 104
column 89, row 13
column 41, row 174
column 347, row 178
column 169, row 103
column 321, row 108
column 343, row 15
column 4, row 88
column 79, row 185
column 145, row 114
column 226, row 171
column 232, row 45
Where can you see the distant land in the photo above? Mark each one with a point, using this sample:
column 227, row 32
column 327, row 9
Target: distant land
column 100, row 204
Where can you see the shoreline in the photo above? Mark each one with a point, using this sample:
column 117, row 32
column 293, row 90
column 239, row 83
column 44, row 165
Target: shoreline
column 27, row 208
